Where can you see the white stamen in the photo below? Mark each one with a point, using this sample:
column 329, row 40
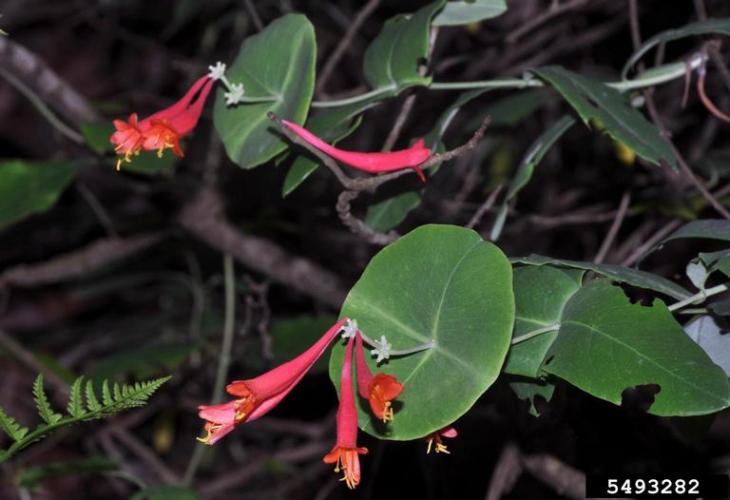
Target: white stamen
column 381, row 349
column 217, row 71
column 234, row 95
column 349, row 329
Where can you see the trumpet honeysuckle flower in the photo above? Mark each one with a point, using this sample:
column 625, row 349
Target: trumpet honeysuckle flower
column 380, row 389
column 373, row 163
column 435, row 440
column 345, row 453
column 257, row 396
column 164, row 128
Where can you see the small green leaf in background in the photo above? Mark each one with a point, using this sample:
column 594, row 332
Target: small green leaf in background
column 606, row 345
column 510, row 110
column 715, row 342
column 540, row 296
column 434, row 137
column 711, row 229
column 716, row 261
column 718, row 26
column 31, row 476
column 621, row 274
column 532, row 158
column 388, row 214
column 466, row 12
column 594, row 100
column 277, row 62
column 30, row 187
column 437, row 283
column 392, row 59
column 291, row 337
column 97, row 134
column 529, row 391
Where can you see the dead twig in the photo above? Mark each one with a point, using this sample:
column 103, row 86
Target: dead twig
column 613, row 230
column 344, row 201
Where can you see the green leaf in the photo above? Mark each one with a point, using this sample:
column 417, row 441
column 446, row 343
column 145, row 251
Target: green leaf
column 532, row 158
column 606, row 344
column 28, row 187
column 716, row 343
column 106, row 394
column 540, row 296
column 97, row 134
column 717, row 261
column 166, row 493
column 392, row 59
column 530, row 390
column 387, row 214
column 515, row 107
column 33, row 475
column 711, row 229
column 437, row 283
column 10, row 427
column 75, row 406
column 433, row 138
column 123, row 397
column 42, row 403
column 719, row 26
column 91, row 402
column 596, row 101
column 277, row 62
column 332, row 125
column 467, row 12
column 630, row 276
column 145, row 361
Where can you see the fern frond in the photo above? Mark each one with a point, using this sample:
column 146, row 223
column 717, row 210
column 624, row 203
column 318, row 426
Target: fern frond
column 42, row 404
column 75, row 406
column 11, row 427
column 123, row 396
column 91, row 402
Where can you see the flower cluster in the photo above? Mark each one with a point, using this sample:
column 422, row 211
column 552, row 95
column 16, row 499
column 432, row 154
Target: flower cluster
column 257, row 396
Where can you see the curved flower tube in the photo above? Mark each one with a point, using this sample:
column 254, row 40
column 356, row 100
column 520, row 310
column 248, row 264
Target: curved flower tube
column 162, row 129
column 257, row 396
column 380, row 389
column 345, row 453
column 373, row 163
column 434, row 440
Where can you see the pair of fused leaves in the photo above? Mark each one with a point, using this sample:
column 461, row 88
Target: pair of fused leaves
column 83, row 404
column 604, row 344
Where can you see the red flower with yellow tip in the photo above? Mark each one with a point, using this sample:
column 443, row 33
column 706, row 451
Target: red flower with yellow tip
column 346, row 453
column 380, row 390
column 257, row 396
column 435, row 441
column 164, row 128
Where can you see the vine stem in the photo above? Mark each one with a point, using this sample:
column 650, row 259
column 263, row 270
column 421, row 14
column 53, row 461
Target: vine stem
column 224, row 360
column 699, row 296
column 535, row 333
column 661, row 74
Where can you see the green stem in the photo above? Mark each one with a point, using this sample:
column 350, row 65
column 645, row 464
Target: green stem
column 224, row 359
column 654, row 76
column 535, row 333
column 699, row 297
column 400, row 352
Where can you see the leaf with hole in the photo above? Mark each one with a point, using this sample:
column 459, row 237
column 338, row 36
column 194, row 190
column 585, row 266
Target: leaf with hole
column 606, row 345
column 595, row 101
column 443, row 284
column 279, row 63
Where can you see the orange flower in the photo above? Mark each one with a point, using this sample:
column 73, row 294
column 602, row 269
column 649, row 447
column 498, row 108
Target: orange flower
column 380, row 389
column 164, row 128
column 345, row 454
column 257, row 396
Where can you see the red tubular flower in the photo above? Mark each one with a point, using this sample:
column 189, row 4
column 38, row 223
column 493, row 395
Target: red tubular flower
column 257, row 396
column 380, row 389
column 435, row 438
column 345, row 453
column 164, row 128
column 369, row 162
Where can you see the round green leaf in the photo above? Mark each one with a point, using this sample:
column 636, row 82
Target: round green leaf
column 438, row 283
column 460, row 12
column 278, row 62
column 606, row 344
